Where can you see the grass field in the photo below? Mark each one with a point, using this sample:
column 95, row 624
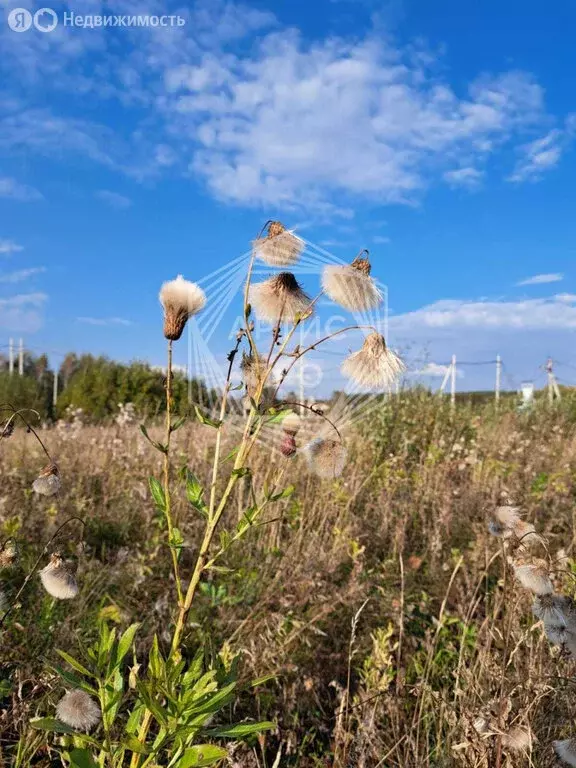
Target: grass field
column 379, row 602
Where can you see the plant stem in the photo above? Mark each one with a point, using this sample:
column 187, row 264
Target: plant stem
column 166, row 474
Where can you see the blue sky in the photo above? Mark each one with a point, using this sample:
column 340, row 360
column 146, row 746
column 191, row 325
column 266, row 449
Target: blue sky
column 439, row 136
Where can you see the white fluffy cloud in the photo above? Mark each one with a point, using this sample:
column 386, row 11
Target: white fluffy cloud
column 23, row 313
column 113, row 199
column 550, row 277
column 22, row 192
column 21, row 275
column 264, row 116
column 8, row 247
column 544, row 153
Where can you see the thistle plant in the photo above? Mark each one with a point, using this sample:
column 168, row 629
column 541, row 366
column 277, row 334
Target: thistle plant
column 162, row 712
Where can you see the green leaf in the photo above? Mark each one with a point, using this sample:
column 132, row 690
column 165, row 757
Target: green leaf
column 241, row 730
column 157, row 493
column 278, row 417
column 72, row 679
column 125, row 642
column 155, row 661
column 178, row 423
column 159, row 446
column 241, row 471
column 201, row 755
column 204, row 419
column 285, row 494
column 51, row 724
column 134, row 745
column 73, row 663
column 176, row 540
column 81, row 758
column 195, row 492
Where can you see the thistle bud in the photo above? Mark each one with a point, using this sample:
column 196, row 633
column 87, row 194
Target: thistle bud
column 280, row 247
column 288, row 445
column 351, row 286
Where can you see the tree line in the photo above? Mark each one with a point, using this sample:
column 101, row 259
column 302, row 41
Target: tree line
column 97, row 385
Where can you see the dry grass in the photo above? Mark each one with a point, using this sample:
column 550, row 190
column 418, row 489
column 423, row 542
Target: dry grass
column 444, row 635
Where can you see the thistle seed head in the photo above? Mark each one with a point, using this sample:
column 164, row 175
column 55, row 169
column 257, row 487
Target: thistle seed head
column 326, row 457
column 375, row 365
column 566, row 750
column 280, row 247
column 180, row 300
column 48, row 481
column 518, row 739
column 280, row 299
column 535, row 577
column 507, row 516
column 78, row 710
column 291, row 424
column 58, row 580
column 351, row 286
column 551, row 609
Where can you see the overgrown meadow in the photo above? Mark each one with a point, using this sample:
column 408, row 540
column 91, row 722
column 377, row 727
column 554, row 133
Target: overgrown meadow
column 192, row 595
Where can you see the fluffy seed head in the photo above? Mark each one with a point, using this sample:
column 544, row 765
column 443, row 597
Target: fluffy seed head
column 252, row 369
column 291, row 423
column 551, row 609
column 326, row 457
column 58, row 580
column 78, row 710
column 518, row 739
column 351, row 286
column 507, row 516
column 375, row 365
column 279, row 299
column 566, row 750
column 525, row 533
column 280, row 247
column 180, row 299
column 48, row 481
column 535, row 577
column 558, row 635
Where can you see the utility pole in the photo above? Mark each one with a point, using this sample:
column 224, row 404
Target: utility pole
column 453, row 382
column 55, row 388
column 21, row 357
column 11, row 356
column 498, row 377
column 552, row 386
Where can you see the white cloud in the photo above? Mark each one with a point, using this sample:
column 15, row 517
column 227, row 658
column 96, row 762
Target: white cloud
column 7, row 247
column 13, row 189
column 104, row 321
column 436, row 370
column 552, row 277
column 274, row 120
column 113, row 199
column 464, row 177
column 381, row 240
column 530, row 314
column 20, row 275
column 567, row 298
column 22, row 312
column 543, row 154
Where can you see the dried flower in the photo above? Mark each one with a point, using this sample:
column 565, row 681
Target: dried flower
column 351, row 286
column 566, row 750
column 180, row 299
column 288, row 445
column 7, row 554
column 291, row 423
column 375, row 365
column 518, row 739
column 48, row 481
column 326, row 457
column 481, row 725
column 58, row 580
column 253, row 368
column 558, row 635
column 78, row 710
column 526, row 533
column 535, row 577
column 280, row 299
column 551, row 609
column 280, row 247
column 7, row 429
